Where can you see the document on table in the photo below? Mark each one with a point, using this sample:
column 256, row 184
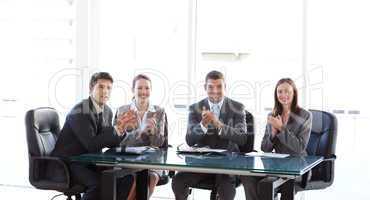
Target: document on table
column 199, row 150
column 267, row 154
column 139, row 150
column 132, row 150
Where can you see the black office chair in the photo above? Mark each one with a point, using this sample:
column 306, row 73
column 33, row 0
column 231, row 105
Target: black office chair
column 322, row 142
column 165, row 176
column 248, row 147
column 42, row 129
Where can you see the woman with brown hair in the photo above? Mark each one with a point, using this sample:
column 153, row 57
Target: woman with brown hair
column 287, row 131
column 148, row 129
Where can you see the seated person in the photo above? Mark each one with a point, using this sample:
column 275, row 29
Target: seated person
column 216, row 122
column 287, row 131
column 148, row 127
column 88, row 129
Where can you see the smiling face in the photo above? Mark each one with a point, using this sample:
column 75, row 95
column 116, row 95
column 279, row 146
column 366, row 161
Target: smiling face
column 101, row 91
column 142, row 89
column 215, row 89
column 285, row 94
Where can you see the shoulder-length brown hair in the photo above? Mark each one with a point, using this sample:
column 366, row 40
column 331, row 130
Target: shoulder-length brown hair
column 278, row 108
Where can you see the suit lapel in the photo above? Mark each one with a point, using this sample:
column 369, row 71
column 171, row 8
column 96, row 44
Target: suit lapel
column 205, row 104
column 107, row 118
column 200, row 105
column 294, row 122
column 223, row 111
column 92, row 113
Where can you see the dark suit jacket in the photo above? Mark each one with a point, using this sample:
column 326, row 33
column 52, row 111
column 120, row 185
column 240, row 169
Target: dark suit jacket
column 80, row 133
column 233, row 134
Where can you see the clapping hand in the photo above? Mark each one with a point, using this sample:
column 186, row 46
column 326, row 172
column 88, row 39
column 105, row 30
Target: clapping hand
column 276, row 124
column 126, row 121
column 209, row 117
column 151, row 125
column 206, row 117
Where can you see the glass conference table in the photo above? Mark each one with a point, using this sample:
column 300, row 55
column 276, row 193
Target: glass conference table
column 284, row 170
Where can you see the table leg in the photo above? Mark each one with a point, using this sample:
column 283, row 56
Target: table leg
column 266, row 189
column 109, row 182
column 269, row 185
column 108, row 185
column 290, row 190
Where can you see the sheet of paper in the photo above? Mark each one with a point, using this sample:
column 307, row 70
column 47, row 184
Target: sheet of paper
column 187, row 149
column 138, row 150
column 266, row 154
column 130, row 150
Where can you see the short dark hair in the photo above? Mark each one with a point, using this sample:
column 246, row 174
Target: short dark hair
column 140, row 76
column 214, row 75
column 99, row 75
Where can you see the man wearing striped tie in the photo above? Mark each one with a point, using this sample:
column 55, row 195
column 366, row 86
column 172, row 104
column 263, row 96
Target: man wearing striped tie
column 216, row 122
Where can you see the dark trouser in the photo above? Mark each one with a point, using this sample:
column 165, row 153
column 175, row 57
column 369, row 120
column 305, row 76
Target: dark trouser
column 250, row 184
column 183, row 180
column 89, row 176
column 254, row 187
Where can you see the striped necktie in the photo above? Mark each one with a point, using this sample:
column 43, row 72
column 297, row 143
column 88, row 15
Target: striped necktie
column 216, row 110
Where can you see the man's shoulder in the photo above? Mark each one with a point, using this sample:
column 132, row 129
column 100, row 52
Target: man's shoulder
column 79, row 106
column 82, row 108
column 198, row 105
column 233, row 103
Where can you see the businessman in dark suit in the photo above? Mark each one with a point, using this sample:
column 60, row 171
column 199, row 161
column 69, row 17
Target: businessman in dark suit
column 88, row 129
column 216, row 122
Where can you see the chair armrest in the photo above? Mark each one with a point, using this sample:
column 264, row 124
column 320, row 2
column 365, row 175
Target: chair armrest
column 330, row 158
column 37, row 160
column 304, row 180
column 306, row 177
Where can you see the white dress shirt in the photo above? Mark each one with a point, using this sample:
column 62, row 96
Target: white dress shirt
column 142, row 122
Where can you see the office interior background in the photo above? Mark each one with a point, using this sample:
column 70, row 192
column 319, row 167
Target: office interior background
column 50, row 48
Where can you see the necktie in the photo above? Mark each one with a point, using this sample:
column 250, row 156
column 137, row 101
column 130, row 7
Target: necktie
column 216, row 110
column 99, row 122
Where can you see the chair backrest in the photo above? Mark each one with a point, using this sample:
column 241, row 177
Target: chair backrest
column 323, row 137
column 322, row 142
column 42, row 129
column 165, row 143
column 164, row 176
column 249, row 146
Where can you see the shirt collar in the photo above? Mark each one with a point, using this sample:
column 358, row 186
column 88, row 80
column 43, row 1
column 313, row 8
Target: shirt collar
column 133, row 107
column 98, row 108
column 219, row 103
